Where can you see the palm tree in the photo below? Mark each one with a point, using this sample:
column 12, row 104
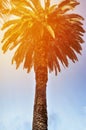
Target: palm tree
column 43, row 37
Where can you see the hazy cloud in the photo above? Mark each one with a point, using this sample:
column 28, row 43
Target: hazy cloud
column 15, row 124
column 53, row 121
column 2, row 127
column 19, row 123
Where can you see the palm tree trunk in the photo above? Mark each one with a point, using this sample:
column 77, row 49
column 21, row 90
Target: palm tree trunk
column 40, row 105
column 40, row 118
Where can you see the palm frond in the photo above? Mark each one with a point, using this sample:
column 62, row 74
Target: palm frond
column 22, row 3
column 37, row 5
column 47, row 3
column 64, row 7
column 4, row 8
column 50, row 30
column 29, row 58
column 68, row 36
column 24, row 7
column 10, row 23
column 67, row 5
column 3, row 4
column 20, row 54
column 53, row 63
column 11, row 30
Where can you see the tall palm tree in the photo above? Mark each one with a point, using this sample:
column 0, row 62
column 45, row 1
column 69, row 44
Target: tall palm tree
column 43, row 37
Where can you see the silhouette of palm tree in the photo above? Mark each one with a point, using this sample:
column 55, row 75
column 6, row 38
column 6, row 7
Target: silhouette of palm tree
column 44, row 37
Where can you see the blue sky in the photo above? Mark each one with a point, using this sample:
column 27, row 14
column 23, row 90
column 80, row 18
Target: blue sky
column 66, row 93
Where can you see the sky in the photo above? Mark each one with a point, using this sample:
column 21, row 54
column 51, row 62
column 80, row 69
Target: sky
column 66, row 93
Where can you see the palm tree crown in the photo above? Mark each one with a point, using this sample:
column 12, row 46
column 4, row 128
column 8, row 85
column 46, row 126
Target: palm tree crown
column 52, row 26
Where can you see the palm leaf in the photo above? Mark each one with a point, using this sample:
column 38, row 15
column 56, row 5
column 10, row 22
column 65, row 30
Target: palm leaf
column 61, row 55
column 66, row 5
column 37, row 5
column 9, row 42
column 20, row 54
column 22, row 3
column 47, row 3
column 4, row 9
column 50, row 30
column 53, row 62
column 29, row 58
column 10, row 31
column 10, row 23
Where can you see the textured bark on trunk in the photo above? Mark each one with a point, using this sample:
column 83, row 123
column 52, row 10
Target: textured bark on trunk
column 40, row 118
